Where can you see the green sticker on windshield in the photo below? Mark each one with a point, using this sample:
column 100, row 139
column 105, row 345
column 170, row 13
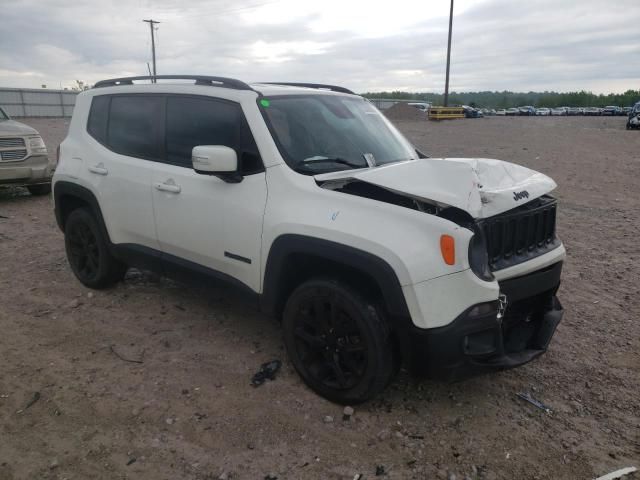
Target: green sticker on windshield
column 264, row 102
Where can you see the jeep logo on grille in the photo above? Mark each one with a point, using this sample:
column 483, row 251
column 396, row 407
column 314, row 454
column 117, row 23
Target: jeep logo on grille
column 520, row 195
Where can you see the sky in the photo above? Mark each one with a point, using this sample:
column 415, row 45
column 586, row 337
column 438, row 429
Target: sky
column 532, row 45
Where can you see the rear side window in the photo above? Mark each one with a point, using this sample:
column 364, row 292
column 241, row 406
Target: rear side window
column 98, row 116
column 197, row 121
column 134, row 123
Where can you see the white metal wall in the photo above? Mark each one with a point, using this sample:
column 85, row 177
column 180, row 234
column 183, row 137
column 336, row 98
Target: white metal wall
column 31, row 102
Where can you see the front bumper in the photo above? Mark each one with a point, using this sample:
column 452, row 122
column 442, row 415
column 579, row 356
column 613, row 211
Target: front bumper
column 479, row 340
column 32, row 170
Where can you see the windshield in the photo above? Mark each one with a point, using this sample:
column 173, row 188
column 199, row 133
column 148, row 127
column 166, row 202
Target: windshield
column 325, row 133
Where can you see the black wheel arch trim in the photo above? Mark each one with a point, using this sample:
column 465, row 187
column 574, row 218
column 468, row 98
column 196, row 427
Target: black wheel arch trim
column 62, row 189
column 378, row 269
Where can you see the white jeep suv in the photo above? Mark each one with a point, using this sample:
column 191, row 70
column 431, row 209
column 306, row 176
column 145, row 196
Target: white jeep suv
column 309, row 199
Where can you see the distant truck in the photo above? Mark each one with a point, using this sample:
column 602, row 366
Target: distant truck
column 23, row 157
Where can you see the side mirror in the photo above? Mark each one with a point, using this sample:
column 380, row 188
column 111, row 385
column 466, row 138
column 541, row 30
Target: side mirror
column 216, row 160
column 420, row 153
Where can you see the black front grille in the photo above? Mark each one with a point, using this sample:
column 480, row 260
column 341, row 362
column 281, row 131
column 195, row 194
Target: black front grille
column 522, row 233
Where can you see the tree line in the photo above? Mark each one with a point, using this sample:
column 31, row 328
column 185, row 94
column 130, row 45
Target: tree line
column 507, row 99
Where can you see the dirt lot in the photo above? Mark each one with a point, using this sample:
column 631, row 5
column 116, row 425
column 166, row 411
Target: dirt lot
column 187, row 411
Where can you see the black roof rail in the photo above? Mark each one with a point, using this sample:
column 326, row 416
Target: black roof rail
column 319, row 86
column 199, row 80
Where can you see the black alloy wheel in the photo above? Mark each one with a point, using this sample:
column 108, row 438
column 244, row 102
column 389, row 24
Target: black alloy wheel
column 88, row 252
column 338, row 341
column 84, row 255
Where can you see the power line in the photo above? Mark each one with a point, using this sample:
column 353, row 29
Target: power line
column 153, row 45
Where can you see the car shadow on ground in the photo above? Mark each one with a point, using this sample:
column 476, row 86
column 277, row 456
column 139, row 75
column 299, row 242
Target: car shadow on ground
column 9, row 193
column 237, row 319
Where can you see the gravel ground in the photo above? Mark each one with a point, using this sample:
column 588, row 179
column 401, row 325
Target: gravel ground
column 150, row 380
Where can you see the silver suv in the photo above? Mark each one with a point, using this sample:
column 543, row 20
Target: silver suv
column 23, row 157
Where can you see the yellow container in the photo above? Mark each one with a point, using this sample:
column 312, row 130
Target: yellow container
column 445, row 113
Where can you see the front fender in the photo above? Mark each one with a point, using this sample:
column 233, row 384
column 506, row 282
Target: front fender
column 372, row 266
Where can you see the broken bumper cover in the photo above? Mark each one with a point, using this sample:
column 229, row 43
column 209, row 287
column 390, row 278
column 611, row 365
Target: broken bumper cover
column 480, row 340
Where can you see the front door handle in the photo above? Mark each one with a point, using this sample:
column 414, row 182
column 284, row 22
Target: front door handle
column 99, row 169
column 168, row 186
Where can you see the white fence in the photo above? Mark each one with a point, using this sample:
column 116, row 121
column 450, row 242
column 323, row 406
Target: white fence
column 33, row 102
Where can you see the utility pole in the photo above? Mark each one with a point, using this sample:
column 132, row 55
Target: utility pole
column 153, row 46
column 446, row 82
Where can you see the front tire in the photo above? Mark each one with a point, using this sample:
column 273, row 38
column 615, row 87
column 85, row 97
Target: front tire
column 38, row 190
column 338, row 341
column 88, row 252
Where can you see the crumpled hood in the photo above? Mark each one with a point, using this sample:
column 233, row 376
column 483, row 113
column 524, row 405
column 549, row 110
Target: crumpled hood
column 11, row 127
column 482, row 187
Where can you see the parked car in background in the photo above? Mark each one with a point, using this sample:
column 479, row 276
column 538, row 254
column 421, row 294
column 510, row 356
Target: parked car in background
column 23, row 157
column 527, row 110
column 610, row 110
column 543, row 112
column 592, row 111
column 626, row 110
column 501, row 111
column 633, row 122
column 423, row 107
column 511, row 112
column 470, row 112
column 558, row 112
column 574, row 111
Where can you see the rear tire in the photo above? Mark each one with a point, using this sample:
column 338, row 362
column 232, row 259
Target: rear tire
column 88, row 251
column 338, row 341
column 38, row 190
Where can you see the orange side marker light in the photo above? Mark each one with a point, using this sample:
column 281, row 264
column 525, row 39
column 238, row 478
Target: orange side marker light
column 448, row 249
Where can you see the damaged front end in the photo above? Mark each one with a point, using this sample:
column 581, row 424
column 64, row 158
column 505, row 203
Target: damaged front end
column 491, row 336
column 518, row 326
column 506, row 206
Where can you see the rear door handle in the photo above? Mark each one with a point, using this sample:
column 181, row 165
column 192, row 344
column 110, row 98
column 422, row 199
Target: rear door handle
column 99, row 169
column 168, row 186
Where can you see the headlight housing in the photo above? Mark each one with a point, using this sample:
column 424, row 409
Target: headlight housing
column 478, row 256
column 36, row 145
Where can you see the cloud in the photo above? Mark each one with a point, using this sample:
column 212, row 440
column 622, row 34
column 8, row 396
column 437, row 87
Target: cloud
column 366, row 46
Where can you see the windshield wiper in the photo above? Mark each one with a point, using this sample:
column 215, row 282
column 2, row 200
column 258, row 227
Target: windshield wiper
column 339, row 160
